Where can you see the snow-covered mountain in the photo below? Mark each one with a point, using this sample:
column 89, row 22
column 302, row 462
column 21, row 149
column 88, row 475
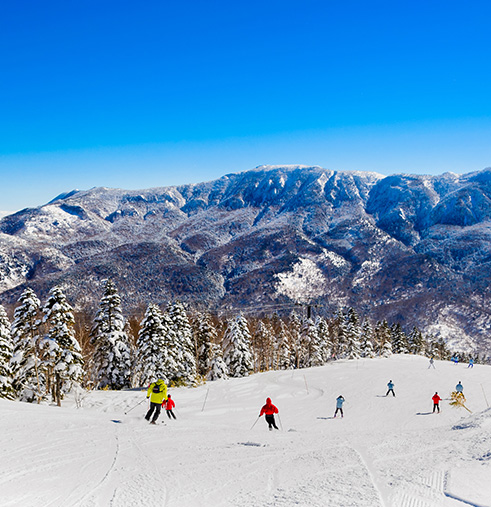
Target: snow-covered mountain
column 385, row 451
column 414, row 249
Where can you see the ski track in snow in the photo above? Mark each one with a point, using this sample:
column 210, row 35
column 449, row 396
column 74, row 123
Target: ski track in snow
column 385, row 452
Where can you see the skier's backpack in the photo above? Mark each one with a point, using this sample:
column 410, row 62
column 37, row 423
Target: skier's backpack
column 156, row 389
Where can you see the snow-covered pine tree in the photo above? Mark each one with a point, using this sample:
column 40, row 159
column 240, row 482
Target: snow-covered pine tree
column 206, row 336
column 367, row 349
column 112, row 350
column 237, row 348
column 437, row 348
column 339, row 327
column 150, row 357
column 170, row 352
column 416, row 341
column 217, row 369
column 386, row 349
column 6, row 350
column 313, row 343
column 308, row 336
column 29, row 379
column 351, row 335
column 325, row 338
column 62, row 355
column 283, row 353
column 382, row 338
column 399, row 340
column 184, row 348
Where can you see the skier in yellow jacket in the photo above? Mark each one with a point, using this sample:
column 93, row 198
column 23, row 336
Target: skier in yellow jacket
column 157, row 392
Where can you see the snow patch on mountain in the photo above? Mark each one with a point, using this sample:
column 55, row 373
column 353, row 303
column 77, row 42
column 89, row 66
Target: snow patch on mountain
column 305, row 282
column 446, row 326
column 337, row 260
column 366, row 272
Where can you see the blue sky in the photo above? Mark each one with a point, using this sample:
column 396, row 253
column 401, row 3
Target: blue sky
column 141, row 94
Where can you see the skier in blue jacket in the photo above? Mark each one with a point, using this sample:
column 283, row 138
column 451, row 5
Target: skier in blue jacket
column 339, row 405
column 390, row 385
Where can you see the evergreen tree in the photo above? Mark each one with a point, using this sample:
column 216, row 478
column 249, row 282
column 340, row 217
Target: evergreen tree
column 437, row 348
column 399, row 340
column 217, row 369
column 62, row 355
column 6, row 351
column 150, row 356
column 29, row 376
column 170, row 352
column 112, row 350
column 351, row 333
column 387, row 349
column 416, row 342
column 317, row 344
column 309, row 350
column 184, row 348
column 237, row 348
column 367, row 349
column 324, row 338
column 340, row 342
column 382, row 333
column 206, row 337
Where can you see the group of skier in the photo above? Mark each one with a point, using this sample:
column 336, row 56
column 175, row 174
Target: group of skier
column 455, row 360
column 269, row 409
column 157, row 393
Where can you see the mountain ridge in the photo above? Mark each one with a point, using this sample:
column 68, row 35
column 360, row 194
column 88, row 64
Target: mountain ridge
column 404, row 247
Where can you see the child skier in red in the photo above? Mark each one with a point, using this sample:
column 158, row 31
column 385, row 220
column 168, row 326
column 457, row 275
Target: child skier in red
column 436, row 400
column 169, row 404
column 270, row 410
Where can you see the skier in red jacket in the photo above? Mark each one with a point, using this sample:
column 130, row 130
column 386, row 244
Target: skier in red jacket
column 436, row 400
column 169, row 404
column 270, row 410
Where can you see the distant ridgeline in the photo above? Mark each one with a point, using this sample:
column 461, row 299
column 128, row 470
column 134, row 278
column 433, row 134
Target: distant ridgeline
column 48, row 350
column 414, row 250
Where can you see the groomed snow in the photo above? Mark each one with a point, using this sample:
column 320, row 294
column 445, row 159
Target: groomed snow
column 386, row 451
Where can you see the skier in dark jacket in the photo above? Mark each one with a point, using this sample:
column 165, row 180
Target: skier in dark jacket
column 269, row 410
column 157, row 392
column 169, row 405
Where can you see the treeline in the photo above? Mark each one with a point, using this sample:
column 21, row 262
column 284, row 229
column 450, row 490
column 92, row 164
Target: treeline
column 44, row 352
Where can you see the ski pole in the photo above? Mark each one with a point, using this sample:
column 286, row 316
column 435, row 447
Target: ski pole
column 255, row 422
column 206, row 397
column 134, row 407
column 306, row 386
column 279, row 420
column 484, row 393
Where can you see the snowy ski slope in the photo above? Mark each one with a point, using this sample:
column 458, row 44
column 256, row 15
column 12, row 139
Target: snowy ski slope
column 386, row 451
